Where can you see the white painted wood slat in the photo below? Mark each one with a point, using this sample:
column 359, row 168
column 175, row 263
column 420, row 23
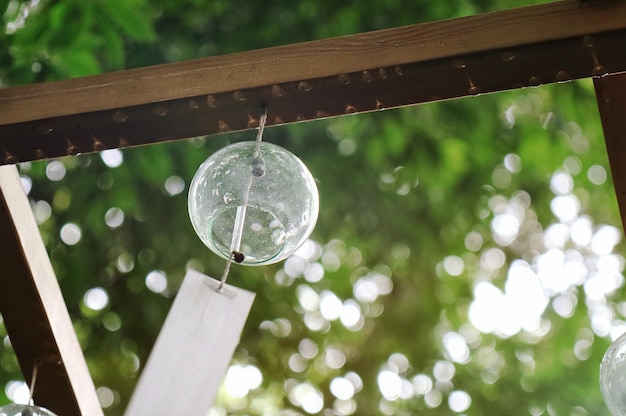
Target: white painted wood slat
column 193, row 349
column 34, row 311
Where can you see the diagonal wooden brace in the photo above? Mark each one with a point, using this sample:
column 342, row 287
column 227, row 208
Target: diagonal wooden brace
column 34, row 311
column 611, row 97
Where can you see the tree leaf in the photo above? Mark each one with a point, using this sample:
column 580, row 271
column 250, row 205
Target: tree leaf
column 133, row 20
column 77, row 63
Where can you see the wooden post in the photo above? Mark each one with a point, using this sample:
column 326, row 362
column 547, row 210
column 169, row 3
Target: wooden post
column 34, row 311
column 193, row 349
column 611, row 96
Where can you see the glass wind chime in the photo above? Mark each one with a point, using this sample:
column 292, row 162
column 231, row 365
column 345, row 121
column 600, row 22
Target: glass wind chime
column 253, row 203
column 26, row 409
column 613, row 377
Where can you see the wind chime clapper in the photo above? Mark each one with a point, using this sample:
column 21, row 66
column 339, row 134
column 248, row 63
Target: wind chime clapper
column 253, row 202
column 29, row 409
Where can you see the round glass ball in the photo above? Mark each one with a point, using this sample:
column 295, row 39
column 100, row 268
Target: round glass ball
column 613, row 377
column 24, row 410
column 255, row 199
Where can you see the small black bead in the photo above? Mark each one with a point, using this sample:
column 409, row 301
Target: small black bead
column 238, row 257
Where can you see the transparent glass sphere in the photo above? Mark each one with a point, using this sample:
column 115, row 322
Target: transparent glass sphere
column 255, row 199
column 24, row 410
column 613, row 377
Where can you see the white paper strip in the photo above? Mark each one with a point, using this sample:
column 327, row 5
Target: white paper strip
column 193, row 349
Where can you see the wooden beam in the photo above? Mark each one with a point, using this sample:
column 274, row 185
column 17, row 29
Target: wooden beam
column 611, row 97
column 317, row 59
column 364, row 72
column 193, row 350
column 34, row 311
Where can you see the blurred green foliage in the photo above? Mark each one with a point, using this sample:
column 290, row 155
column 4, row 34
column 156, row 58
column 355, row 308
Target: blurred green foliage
column 408, row 230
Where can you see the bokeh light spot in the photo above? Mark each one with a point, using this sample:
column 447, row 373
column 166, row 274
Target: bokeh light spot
column 156, row 281
column 459, row 401
column 70, row 234
column 96, row 298
column 112, row 157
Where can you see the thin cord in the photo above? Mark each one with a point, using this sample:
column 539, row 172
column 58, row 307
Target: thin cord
column 262, row 121
column 33, row 380
column 225, row 274
column 258, row 170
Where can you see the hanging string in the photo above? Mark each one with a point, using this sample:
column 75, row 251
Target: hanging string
column 258, row 170
column 33, row 381
column 262, row 121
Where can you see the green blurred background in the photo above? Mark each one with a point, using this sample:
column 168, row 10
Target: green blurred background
column 467, row 257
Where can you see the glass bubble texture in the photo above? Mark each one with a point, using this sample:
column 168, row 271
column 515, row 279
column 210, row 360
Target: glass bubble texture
column 24, row 410
column 613, row 377
column 254, row 198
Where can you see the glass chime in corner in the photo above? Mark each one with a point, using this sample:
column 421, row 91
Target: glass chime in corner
column 253, row 202
column 613, row 377
column 26, row 409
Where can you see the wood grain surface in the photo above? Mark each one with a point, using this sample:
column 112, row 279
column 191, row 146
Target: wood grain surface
column 315, row 59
